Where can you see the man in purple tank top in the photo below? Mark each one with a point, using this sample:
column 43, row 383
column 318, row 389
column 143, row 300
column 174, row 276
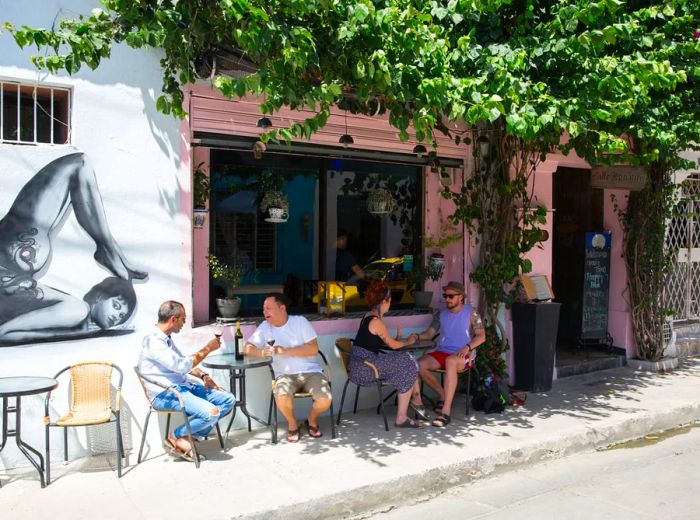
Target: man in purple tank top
column 461, row 332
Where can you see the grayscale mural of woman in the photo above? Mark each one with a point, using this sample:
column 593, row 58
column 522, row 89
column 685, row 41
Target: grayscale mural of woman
column 30, row 310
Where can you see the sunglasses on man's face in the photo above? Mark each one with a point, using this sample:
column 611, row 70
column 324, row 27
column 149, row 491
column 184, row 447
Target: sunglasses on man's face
column 448, row 296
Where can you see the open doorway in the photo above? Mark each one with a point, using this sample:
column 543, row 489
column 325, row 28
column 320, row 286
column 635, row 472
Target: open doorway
column 579, row 209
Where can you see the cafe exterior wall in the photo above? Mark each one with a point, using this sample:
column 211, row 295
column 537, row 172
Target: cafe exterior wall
column 134, row 164
column 619, row 323
column 213, row 114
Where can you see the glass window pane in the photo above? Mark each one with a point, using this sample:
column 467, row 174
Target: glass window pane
column 43, row 115
column 9, row 112
column 324, row 196
column 26, row 114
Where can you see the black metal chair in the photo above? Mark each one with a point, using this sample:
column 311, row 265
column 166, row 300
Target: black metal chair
column 91, row 400
column 143, row 379
column 460, row 373
column 344, row 346
column 304, row 395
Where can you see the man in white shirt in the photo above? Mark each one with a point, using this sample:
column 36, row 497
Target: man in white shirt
column 162, row 362
column 292, row 341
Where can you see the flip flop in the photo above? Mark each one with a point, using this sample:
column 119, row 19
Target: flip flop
column 420, row 411
column 441, row 420
column 293, row 435
column 409, row 423
column 314, row 431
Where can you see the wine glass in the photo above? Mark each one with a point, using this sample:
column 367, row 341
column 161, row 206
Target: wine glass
column 218, row 330
column 270, row 341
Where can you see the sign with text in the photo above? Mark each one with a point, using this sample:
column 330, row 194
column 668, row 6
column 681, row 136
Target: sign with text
column 596, row 283
column 619, row 177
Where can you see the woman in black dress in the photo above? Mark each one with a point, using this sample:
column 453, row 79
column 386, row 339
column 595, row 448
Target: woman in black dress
column 373, row 343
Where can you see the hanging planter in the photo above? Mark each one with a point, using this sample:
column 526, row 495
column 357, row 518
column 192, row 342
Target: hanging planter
column 275, row 206
column 380, row 202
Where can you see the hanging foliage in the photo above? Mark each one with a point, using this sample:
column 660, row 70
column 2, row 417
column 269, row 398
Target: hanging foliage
column 495, row 205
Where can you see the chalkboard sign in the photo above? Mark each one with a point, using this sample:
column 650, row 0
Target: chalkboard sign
column 596, row 282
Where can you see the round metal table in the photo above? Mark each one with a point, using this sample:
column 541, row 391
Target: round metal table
column 18, row 387
column 237, row 373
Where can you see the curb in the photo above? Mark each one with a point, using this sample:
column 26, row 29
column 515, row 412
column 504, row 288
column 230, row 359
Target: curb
column 363, row 501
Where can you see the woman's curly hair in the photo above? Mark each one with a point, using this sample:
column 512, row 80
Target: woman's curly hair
column 377, row 290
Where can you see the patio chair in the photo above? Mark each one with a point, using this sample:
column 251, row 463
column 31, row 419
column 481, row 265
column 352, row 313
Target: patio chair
column 143, row 379
column 467, row 370
column 304, row 395
column 90, row 403
column 344, row 346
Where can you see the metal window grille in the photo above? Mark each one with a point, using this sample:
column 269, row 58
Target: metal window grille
column 246, row 239
column 682, row 293
column 32, row 114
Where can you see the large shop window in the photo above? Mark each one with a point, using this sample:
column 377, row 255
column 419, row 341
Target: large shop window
column 329, row 225
column 30, row 114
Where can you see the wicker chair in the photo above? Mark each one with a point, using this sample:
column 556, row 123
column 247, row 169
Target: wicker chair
column 90, row 403
column 344, row 346
column 143, row 380
column 303, row 395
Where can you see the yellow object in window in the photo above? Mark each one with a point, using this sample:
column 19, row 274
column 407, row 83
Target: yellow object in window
column 331, row 298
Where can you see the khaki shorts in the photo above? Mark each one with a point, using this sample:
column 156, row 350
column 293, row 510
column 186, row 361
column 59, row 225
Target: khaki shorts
column 314, row 383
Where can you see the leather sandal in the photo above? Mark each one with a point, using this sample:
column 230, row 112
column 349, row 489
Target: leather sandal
column 409, row 423
column 314, row 431
column 441, row 420
column 438, row 407
column 293, row 435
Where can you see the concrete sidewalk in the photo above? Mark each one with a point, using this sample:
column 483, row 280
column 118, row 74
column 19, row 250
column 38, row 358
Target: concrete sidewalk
column 365, row 468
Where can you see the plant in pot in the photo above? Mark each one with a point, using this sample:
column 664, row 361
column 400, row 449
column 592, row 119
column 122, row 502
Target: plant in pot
column 276, row 206
column 230, row 276
column 200, row 196
column 418, row 276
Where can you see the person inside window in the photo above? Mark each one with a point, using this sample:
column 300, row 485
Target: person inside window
column 346, row 266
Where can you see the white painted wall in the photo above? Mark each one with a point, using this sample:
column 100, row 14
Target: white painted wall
column 142, row 167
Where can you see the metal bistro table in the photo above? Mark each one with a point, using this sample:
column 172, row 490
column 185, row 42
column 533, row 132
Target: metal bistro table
column 18, row 387
column 237, row 373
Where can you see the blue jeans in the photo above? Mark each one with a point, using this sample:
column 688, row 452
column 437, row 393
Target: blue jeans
column 199, row 403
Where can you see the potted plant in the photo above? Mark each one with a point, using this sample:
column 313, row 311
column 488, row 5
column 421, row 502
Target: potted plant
column 276, row 206
column 230, row 276
column 418, row 276
column 200, row 196
column 380, row 201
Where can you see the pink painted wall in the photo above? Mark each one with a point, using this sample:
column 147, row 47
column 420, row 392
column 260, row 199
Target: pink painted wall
column 200, row 249
column 619, row 320
column 212, row 112
column 437, row 209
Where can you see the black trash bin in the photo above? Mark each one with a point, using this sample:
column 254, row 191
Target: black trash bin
column 534, row 341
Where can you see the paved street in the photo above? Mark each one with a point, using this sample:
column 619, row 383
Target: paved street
column 652, row 478
column 366, row 469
